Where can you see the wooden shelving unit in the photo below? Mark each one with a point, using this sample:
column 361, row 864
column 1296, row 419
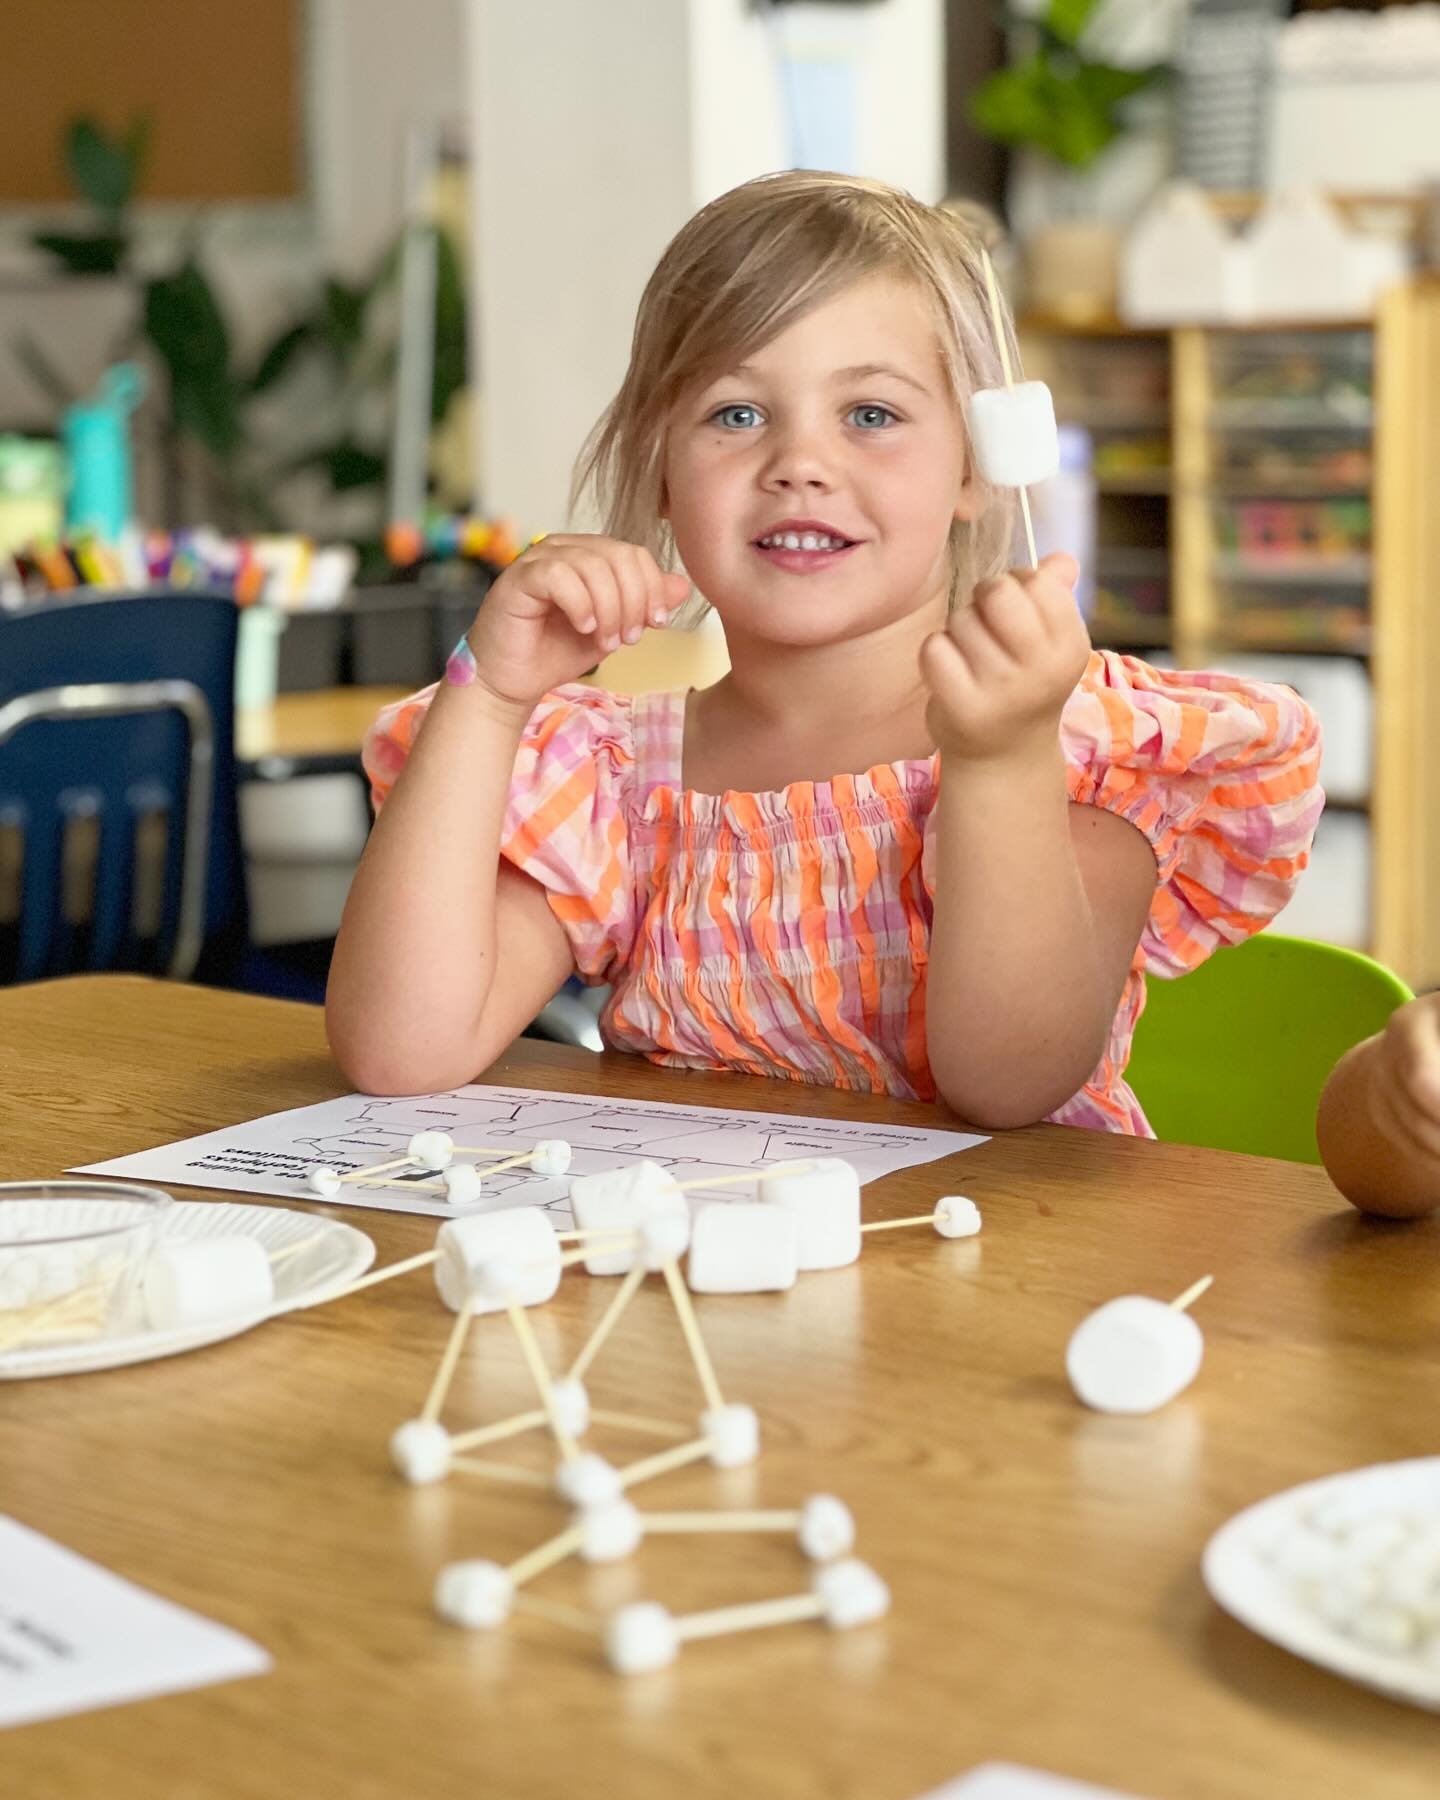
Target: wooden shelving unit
column 1271, row 491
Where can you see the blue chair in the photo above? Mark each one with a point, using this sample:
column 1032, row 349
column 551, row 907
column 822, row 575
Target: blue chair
column 119, row 833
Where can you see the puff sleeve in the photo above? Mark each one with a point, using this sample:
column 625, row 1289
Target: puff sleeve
column 1222, row 777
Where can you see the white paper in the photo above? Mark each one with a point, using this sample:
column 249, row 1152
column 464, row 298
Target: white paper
column 1008, row 1781
column 74, row 1637
column 273, row 1155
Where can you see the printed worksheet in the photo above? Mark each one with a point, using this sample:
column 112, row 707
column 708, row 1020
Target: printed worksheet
column 273, row 1155
column 74, row 1636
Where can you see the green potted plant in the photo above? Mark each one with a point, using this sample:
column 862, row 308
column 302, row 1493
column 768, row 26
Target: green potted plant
column 1066, row 111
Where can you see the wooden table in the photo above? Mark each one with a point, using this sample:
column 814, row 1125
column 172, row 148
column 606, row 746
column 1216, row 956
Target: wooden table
column 325, row 727
column 1048, row 1605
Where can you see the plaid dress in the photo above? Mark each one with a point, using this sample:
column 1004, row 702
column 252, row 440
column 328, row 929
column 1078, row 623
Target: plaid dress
column 787, row 934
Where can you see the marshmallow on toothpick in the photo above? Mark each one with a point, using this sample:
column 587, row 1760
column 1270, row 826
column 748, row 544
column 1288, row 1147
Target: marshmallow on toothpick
column 1014, row 435
column 519, row 1239
column 431, row 1149
column 1134, row 1354
column 623, row 1200
column 743, row 1247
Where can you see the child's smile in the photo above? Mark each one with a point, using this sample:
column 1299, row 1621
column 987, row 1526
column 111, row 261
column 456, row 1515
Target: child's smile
column 805, row 546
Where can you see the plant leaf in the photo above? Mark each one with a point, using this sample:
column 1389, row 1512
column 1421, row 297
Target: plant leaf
column 85, row 253
column 347, row 464
column 450, row 328
column 278, row 358
column 184, row 322
column 104, row 169
column 1067, row 19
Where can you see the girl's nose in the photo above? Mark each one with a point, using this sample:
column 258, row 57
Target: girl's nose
column 798, row 459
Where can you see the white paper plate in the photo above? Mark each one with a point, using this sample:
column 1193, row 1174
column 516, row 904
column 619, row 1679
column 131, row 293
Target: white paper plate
column 338, row 1254
column 1241, row 1579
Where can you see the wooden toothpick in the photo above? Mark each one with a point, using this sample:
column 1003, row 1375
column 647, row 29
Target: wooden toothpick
column 609, row 1320
column 526, row 1568
column 1001, row 343
column 540, row 1375
column 461, row 1441
column 746, row 1179
column 721, row 1521
column 664, row 1462
column 423, row 1260
column 690, row 1325
column 727, row 1619
column 1183, row 1302
column 445, row 1374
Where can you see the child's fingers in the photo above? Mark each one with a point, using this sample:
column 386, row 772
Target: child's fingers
column 947, row 672
column 562, row 585
column 1060, row 564
column 632, row 578
column 603, row 586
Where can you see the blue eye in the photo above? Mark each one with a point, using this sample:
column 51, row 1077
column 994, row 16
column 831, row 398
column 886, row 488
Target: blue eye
column 738, row 417
column 872, row 417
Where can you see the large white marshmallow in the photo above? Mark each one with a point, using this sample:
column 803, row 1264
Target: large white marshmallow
column 1133, row 1354
column 824, row 1196
column 520, row 1237
column 464, row 1184
column 622, row 1200
column 743, row 1247
column 208, row 1278
column 1013, row 434
column 641, row 1637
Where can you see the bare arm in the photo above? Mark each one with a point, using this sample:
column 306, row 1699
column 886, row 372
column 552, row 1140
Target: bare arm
column 1038, row 904
column 1038, row 908
column 1379, row 1118
column 418, row 1000
column 445, row 952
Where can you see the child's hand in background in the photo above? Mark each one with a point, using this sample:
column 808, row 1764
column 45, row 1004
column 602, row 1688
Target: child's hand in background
column 561, row 607
column 1000, row 673
column 1405, row 1078
column 1379, row 1120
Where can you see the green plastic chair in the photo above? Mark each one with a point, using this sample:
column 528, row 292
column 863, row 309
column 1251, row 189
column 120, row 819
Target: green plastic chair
column 1235, row 1055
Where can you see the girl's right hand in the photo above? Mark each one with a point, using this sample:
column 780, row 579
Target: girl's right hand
column 568, row 601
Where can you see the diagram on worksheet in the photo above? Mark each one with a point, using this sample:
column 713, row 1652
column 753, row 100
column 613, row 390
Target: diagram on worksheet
column 273, row 1155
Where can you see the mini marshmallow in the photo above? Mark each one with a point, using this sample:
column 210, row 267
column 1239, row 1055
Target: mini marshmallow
column 1013, row 434
column 825, row 1199
column 853, row 1594
column 1133, row 1354
column 957, row 1217
column 588, row 1481
column 572, row 1403
column 743, row 1247
column 420, row 1450
column 827, row 1528
column 640, row 1638
column 473, row 1250
column 664, row 1239
column 188, row 1283
column 477, row 1595
column 323, row 1181
column 611, row 1532
column 431, row 1149
column 734, row 1434
column 463, row 1184
column 551, row 1156
column 622, row 1200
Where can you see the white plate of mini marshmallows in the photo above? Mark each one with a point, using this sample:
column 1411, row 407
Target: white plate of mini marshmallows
column 334, row 1254
column 1344, row 1572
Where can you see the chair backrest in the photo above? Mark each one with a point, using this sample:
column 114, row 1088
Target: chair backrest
column 1235, row 1055
column 119, row 833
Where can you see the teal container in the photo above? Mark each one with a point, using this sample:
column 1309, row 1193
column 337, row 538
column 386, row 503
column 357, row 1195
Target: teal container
column 96, row 434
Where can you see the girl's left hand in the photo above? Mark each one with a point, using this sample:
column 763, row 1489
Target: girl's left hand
column 1000, row 673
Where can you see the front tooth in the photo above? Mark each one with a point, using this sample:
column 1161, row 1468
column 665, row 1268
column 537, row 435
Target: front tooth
column 791, row 541
column 809, row 541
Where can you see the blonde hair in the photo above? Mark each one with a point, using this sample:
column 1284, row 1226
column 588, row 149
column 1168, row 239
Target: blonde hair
column 745, row 268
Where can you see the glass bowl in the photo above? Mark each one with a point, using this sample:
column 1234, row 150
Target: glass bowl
column 71, row 1257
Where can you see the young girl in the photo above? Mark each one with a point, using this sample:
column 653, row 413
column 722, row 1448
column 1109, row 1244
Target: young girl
column 921, row 840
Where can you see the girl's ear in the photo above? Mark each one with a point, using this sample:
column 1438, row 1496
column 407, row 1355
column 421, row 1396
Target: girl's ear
column 971, row 501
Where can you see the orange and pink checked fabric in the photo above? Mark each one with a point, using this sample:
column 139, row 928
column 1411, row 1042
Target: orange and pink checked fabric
column 787, row 934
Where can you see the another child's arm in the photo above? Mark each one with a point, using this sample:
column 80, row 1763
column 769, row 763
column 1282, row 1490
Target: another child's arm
column 1039, row 904
column 445, row 952
column 1379, row 1117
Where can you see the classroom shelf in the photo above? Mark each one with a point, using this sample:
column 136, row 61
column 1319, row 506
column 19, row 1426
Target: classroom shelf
column 1294, row 521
